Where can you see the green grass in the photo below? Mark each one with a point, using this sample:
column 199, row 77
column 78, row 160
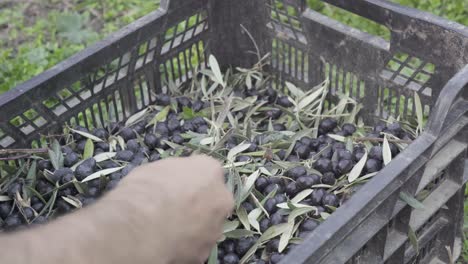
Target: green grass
column 35, row 35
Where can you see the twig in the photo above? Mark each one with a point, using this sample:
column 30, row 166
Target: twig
column 26, row 151
column 363, row 139
column 16, row 157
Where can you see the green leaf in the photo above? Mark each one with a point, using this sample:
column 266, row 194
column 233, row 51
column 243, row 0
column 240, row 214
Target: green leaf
column 136, row 117
column 87, row 135
column 337, row 137
column 356, row 171
column 285, row 236
column 411, row 201
column 88, row 150
column 160, row 117
column 309, row 99
column 253, row 216
column 300, row 211
column 239, row 233
column 301, row 196
column 298, row 93
column 230, row 226
column 101, row 173
column 413, row 239
column 218, row 76
column 249, row 184
column 4, row 198
column 104, row 156
column 73, row 201
column 243, row 217
column 419, row 111
column 386, row 152
column 213, row 258
column 273, row 232
column 236, row 150
column 31, row 180
column 187, row 113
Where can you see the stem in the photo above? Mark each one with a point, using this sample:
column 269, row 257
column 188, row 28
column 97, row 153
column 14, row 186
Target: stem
column 26, row 151
column 363, row 139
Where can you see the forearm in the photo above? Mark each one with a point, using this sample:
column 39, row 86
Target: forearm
column 83, row 237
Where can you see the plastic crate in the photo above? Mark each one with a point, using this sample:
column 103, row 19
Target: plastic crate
column 426, row 54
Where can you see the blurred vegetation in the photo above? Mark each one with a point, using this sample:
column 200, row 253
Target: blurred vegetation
column 37, row 34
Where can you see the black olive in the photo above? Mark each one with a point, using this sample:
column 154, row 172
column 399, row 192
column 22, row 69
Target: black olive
column 279, row 127
column 261, row 183
column 100, row 133
column 331, row 200
column 373, row 165
column 284, row 101
column 264, row 224
column 273, row 245
column 270, row 205
column 229, row 246
column 376, row 153
column 316, row 196
column 296, row 172
column 291, row 189
column 248, row 206
column 124, row 155
column 329, row 178
column 305, row 182
column 127, row 133
column 309, row 225
column 231, row 258
column 348, row 129
column 163, row 100
column 44, row 165
column 327, row 125
column 344, row 166
column 323, row 165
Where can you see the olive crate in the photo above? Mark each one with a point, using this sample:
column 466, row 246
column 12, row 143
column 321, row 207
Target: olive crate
column 426, row 55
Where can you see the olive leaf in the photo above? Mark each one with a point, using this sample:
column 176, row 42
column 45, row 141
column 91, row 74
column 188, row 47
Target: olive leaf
column 349, row 144
column 298, row 93
column 337, row 137
column 306, row 101
column 285, row 236
column 249, row 184
column 324, row 215
column 289, row 205
column 4, row 198
column 230, row 226
column 30, row 180
column 87, row 135
column 56, row 155
column 73, row 201
column 104, row 156
column 243, row 217
column 136, row 117
column 300, row 211
column 356, row 171
column 239, row 233
column 101, row 173
column 413, row 239
column 213, row 258
column 386, row 152
column 218, row 76
column 236, row 150
column 419, row 112
column 253, row 216
column 411, row 201
column 301, row 196
column 88, row 150
column 159, row 117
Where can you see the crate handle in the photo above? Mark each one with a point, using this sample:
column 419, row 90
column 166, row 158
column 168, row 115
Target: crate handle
column 455, row 90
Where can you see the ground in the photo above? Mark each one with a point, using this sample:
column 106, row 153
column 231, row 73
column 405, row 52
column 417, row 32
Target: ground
column 37, row 34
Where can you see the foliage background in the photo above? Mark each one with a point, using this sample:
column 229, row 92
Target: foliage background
column 37, row 34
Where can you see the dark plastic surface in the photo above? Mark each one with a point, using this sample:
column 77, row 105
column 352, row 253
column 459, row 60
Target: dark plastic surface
column 426, row 55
